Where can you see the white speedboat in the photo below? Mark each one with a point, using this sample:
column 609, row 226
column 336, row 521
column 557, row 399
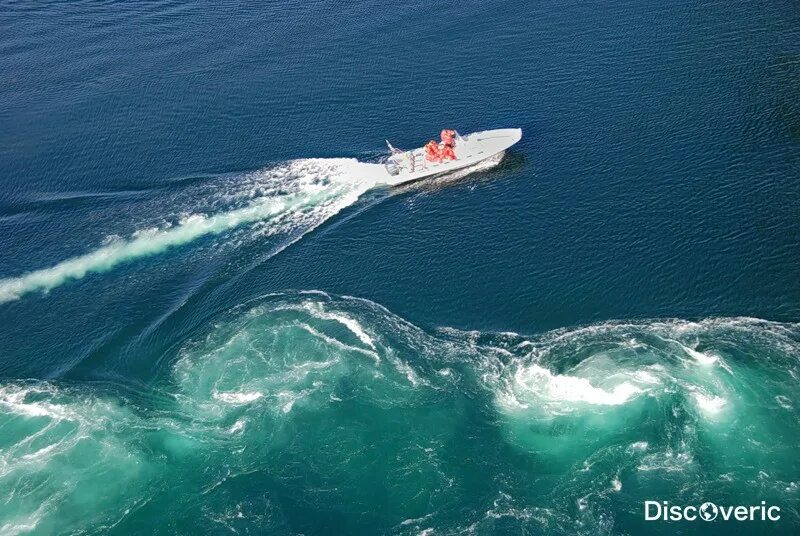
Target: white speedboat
column 408, row 166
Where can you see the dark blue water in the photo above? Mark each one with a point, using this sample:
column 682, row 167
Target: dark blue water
column 164, row 166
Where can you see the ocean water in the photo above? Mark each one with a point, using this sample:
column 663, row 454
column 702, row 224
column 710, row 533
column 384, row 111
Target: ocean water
column 211, row 321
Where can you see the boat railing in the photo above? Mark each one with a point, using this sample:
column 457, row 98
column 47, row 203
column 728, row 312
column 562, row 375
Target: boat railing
column 396, row 162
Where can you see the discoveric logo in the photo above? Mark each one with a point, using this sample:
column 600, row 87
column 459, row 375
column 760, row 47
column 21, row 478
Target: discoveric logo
column 708, row 511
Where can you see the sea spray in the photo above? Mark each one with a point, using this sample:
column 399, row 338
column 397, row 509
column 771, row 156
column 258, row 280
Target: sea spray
column 292, row 198
column 298, row 400
column 289, row 199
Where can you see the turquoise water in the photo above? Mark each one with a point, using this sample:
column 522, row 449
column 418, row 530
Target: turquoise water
column 304, row 413
column 213, row 323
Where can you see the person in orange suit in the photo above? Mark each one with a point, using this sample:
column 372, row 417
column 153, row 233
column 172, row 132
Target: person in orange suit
column 447, row 137
column 432, row 151
column 448, row 142
column 447, row 153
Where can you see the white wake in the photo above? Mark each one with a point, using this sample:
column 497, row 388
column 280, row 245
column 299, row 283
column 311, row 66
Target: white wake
column 295, row 197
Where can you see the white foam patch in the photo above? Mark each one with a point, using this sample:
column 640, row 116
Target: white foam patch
column 15, row 399
column 237, row 427
column 297, row 196
column 339, row 344
column 238, row 398
column 289, row 398
column 51, row 432
column 638, row 446
column 317, row 310
column 709, row 405
column 25, row 524
column 702, row 358
column 668, row 461
column 783, row 401
column 42, row 452
column 538, row 382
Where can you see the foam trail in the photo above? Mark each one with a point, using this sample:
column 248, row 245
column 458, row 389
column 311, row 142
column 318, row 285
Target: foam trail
column 141, row 245
column 298, row 196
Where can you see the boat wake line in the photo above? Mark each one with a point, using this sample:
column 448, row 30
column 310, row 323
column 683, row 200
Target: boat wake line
column 291, row 198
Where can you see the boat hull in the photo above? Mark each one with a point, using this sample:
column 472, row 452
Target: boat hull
column 470, row 150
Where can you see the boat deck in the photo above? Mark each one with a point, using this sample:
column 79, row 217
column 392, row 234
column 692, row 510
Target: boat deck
column 469, row 149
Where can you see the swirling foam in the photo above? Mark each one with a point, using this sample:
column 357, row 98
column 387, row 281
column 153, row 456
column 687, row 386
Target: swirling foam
column 301, row 400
